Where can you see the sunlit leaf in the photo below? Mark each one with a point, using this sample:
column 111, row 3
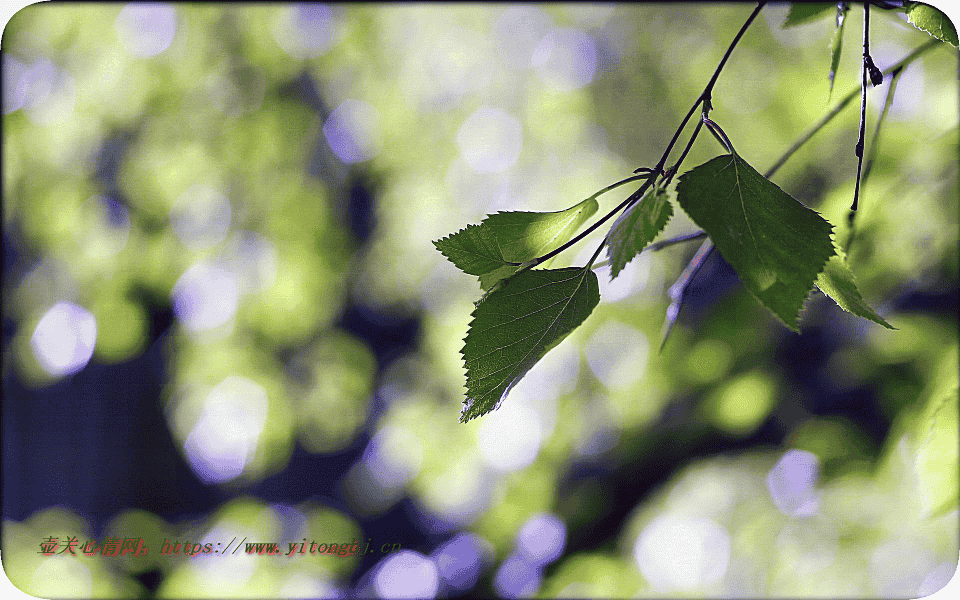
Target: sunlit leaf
column 805, row 12
column 473, row 250
column 511, row 237
column 488, row 280
column 777, row 245
column 933, row 436
column 937, row 454
column 837, row 282
column 637, row 227
column 927, row 18
column 515, row 325
column 836, row 43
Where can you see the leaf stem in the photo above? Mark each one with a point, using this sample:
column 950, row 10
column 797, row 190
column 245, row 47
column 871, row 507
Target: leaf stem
column 677, row 240
column 719, row 134
column 676, row 166
column 614, row 186
column 696, row 235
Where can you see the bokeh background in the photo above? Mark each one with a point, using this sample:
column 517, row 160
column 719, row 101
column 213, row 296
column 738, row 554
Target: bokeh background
column 223, row 316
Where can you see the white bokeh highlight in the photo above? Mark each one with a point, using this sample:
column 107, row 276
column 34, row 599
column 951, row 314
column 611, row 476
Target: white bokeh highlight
column 146, row 30
column 407, row 574
column 224, row 438
column 490, row 140
column 461, row 561
column 678, row 553
column 509, row 438
column 14, row 83
column 899, row 567
column 302, row 585
column 516, row 578
column 792, row 483
column 253, row 259
column 57, row 574
column 542, row 539
column 227, row 574
column 307, row 30
column 566, row 59
column 64, row 339
column 376, row 482
column 49, row 93
column 394, row 456
column 205, row 297
column 937, row 579
column 518, row 31
column 617, row 354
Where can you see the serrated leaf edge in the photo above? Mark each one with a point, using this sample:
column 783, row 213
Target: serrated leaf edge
column 468, row 402
column 652, row 193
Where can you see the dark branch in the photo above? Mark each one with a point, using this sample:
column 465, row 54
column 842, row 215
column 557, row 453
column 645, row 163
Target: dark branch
column 874, row 144
column 863, row 106
column 707, row 95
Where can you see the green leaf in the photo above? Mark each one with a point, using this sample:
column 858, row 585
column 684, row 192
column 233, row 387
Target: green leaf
column 936, row 453
column 836, row 43
column 473, row 249
column 637, row 227
column 512, row 237
column 516, row 324
column 777, row 245
column 927, row 18
column 488, row 280
column 837, row 282
column 934, row 436
column 804, row 12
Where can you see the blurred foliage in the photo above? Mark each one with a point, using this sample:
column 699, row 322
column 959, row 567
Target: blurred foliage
column 204, row 160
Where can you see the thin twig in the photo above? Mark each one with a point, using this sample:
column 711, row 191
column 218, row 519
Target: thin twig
column 863, row 107
column 707, row 96
column 681, row 238
column 874, row 144
column 874, row 141
column 686, row 278
column 803, row 139
column 635, row 196
column 705, row 100
column 651, row 173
